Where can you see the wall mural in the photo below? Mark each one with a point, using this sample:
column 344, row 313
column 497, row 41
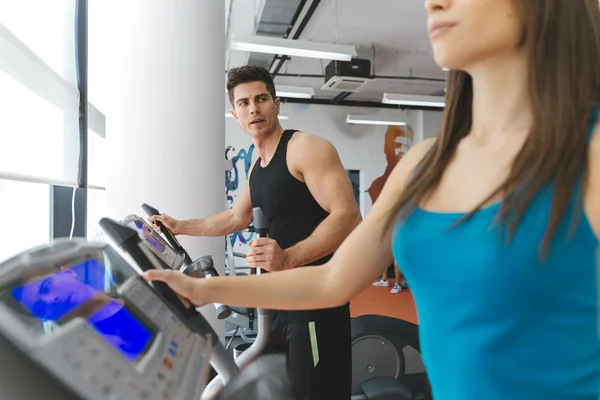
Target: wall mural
column 396, row 143
column 241, row 160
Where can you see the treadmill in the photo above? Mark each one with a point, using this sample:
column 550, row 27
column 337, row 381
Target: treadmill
column 77, row 321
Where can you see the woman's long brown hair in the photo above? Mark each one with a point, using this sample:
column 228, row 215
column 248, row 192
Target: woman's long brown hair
column 561, row 39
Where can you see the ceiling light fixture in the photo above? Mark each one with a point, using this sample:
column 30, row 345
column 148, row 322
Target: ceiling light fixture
column 289, row 47
column 297, row 92
column 373, row 120
column 413, row 100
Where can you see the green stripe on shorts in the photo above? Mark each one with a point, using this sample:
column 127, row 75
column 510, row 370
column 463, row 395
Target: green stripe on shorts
column 313, row 343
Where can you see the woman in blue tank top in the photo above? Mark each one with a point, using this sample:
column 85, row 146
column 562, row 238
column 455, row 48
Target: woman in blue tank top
column 495, row 222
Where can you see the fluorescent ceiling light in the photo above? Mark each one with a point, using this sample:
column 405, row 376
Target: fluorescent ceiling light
column 281, row 117
column 373, row 120
column 290, row 47
column 297, row 92
column 413, row 100
column 445, row 69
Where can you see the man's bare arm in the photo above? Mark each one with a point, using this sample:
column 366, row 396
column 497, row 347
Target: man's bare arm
column 322, row 171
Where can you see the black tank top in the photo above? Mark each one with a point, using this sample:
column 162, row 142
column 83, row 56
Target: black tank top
column 291, row 210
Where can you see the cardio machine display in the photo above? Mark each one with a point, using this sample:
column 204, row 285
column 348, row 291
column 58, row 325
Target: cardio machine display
column 85, row 290
column 86, row 321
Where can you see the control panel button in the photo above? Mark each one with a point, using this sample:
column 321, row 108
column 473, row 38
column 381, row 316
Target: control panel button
column 174, row 344
column 172, row 353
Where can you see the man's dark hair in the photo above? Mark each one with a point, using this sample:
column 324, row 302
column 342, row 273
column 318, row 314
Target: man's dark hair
column 249, row 73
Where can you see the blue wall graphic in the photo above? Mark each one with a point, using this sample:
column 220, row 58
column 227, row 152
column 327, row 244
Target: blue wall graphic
column 243, row 159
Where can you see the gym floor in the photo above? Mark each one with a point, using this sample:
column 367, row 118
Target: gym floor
column 379, row 300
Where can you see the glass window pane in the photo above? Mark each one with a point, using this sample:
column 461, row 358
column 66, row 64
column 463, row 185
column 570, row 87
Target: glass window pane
column 47, row 27
column 31, row 132
column 39, row 109
column 26, row 216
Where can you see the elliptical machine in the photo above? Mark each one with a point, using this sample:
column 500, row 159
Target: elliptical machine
column 79, row 322
column 174, row 256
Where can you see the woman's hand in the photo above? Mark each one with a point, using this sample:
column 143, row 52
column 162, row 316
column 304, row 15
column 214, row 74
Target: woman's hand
column 185, row 286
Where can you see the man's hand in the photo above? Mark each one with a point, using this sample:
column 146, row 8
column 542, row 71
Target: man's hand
column 169, row 222
column 265, row 253
column 185, row 286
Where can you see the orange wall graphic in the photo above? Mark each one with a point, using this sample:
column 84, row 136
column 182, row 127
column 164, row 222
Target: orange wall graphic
column 396, row 143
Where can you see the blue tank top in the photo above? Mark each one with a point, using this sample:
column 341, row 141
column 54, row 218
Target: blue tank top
column 496, row 322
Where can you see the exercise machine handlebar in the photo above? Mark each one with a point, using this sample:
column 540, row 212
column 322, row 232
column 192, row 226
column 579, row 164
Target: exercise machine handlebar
column 261, row 227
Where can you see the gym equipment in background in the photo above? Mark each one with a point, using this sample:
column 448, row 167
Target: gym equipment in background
column 386, row 360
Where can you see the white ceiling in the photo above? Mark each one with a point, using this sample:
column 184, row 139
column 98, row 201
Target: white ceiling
column 392, row 34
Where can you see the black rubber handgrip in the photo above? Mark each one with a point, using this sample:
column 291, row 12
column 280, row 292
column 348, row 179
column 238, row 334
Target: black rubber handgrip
column 261, row 224
column 150, row 211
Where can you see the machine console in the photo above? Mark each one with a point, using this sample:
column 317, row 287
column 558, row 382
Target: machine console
column 154, row 242
column 84, row 315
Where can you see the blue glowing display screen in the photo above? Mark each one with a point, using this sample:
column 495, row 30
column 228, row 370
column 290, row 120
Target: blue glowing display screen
column 145, row 232
column 82, row 291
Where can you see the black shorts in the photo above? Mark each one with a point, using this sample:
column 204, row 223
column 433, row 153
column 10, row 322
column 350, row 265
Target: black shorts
column 319, row 354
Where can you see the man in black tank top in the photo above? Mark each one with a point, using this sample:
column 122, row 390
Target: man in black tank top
column 300, row 184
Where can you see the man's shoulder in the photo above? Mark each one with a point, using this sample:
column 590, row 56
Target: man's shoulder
column 306, row 150
column 309, row 142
